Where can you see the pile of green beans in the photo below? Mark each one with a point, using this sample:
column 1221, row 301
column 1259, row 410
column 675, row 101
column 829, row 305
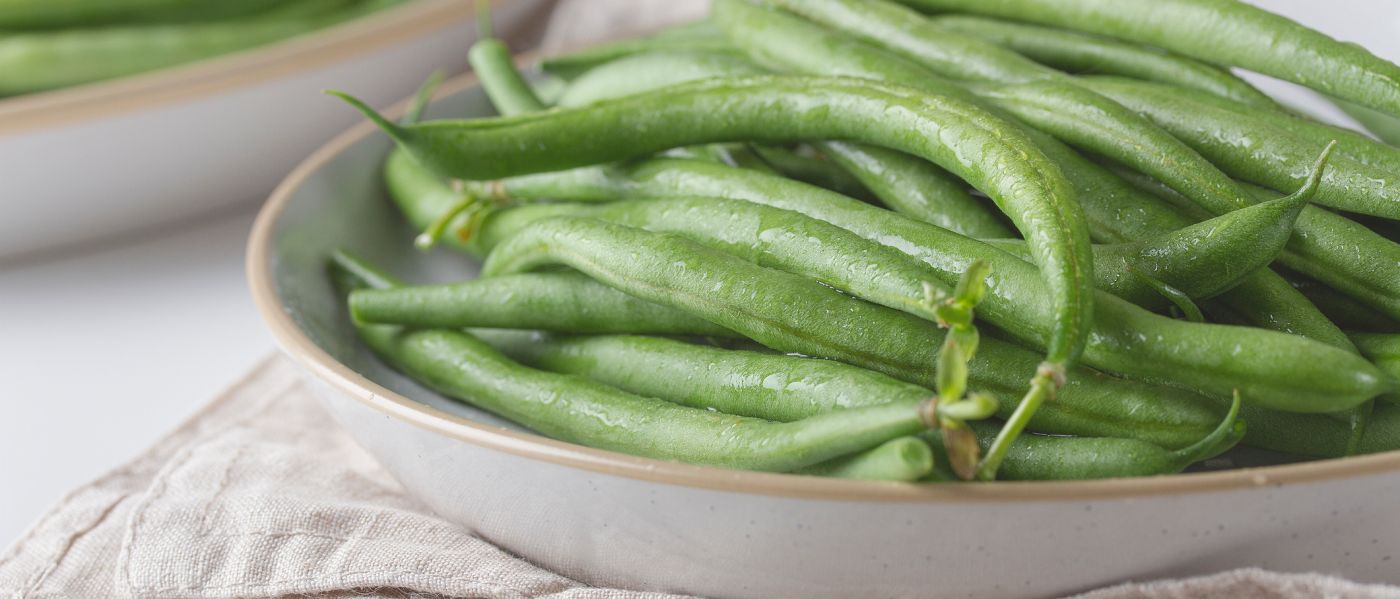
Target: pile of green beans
column 50, row 44
column 761, row 241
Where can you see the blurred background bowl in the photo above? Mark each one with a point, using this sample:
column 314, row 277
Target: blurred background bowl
column 129, row 155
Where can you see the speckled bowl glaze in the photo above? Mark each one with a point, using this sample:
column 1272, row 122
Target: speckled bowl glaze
column 612, row 519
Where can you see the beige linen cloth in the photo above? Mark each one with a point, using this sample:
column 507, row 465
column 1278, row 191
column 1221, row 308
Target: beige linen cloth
column 260, row 495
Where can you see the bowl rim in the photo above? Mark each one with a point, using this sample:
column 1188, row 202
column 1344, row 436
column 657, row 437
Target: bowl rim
column 300, row 348
column 252, row 66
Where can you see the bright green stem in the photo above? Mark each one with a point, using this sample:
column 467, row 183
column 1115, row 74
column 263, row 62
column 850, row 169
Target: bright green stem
column 1042, row 387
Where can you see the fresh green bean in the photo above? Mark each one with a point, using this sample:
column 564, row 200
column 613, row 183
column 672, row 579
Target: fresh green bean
column 709, row 284
column 1063, row 109
column 1326, row 246
column 906, row 183
column 1202, row 260
column 41, row 14
column 1040, row 457
column 994, row 157
column 1384, row 351
column 902, row 459
column 1222, row 32
column 578, row 410
column 41, row 60
column 786, row 388
column 1091, row 54
column 646, row 71
column 701, row 36
column 508, row 90
column 564, row 301
column 1345, row 311
column 817, row 170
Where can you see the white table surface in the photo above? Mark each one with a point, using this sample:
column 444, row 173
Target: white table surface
column 102, row 352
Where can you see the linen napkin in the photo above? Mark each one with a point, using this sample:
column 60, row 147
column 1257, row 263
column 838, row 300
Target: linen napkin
column 261, row 495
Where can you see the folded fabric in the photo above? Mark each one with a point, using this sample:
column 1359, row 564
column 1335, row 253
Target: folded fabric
column 261, row 494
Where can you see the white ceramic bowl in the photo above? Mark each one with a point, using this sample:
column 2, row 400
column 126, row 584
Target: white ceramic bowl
column 116, row 157
column 613, row 519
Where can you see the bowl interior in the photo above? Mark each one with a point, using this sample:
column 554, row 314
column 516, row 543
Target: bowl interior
column 344, row 205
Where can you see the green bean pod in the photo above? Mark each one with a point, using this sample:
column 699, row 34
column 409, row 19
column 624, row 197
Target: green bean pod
column 1202, row 260
column 491, row 60
column 564, row 301
column 1263, row 299
column 1083, row 53
column 702, row 37
column 710, row 284
column 991, row 155
column 785, row 388
column 42, row 60
column 1224, row 32
column 45, row 14
column 1384, row 351
column 1255, row 149
column 903, row 459
column 1040, row 457
column 578, row 410
column 905, row 183
column 1063, row 109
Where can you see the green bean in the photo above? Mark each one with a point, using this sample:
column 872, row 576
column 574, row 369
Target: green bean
column 701, row 36
column 816, row 170
column 905, row 183
column 41, row 60
column 40, row 14
column 1082, row 53
column 902, row 459
column 962, row 138
column 786, row 388
column 1326, row 246
column 1345, row 311
column 646, row 71
column 1039, row 457
column 1321, row 436
column 1221, row 32
column 1065, row 110
column 491, row 59
column 710, row 284
column 1382, row 125
column 1263, row 299
column 581, row 411
column 1384, row 351
column 1350, row 144
column 1202, row 260
column 563, row 301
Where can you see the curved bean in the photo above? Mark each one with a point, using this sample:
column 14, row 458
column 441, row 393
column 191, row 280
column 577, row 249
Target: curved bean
column 1202, row 260
column 1090, row 54
column 905, row 183
column 564, row 301
column 1063, row 109
column 1217, row 31
column 578, row 410
column 786, row 388
column 710, row 284
column 1039, row 457
column 979, row 148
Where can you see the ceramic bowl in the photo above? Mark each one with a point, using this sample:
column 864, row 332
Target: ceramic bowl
column 132, row 154
column 612, row 519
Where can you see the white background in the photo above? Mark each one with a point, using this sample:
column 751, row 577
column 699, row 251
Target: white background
column 105, row 349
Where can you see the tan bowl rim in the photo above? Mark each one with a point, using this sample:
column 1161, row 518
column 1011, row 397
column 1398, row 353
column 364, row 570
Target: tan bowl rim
column 198, row 79
column 301, row 349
